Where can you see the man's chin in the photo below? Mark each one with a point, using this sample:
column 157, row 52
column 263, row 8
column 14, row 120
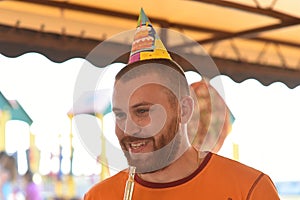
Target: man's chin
column 137, row 160
column 147, row 164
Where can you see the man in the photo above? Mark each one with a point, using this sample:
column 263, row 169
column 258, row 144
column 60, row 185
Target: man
column 152, row 107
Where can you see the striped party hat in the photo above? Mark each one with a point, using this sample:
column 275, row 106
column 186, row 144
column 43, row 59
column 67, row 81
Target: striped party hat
column 147, row 44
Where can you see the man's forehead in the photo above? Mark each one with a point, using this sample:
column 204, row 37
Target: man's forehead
column 140, row 81
column 125, row 92
column 139, row 88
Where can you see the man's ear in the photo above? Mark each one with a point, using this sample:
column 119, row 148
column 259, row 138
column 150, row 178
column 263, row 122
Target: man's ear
column 187, row 108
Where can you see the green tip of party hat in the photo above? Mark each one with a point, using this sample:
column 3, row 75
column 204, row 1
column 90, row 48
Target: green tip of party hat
column 143, row 19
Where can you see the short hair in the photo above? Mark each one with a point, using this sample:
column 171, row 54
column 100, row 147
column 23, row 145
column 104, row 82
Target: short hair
column 170, row 72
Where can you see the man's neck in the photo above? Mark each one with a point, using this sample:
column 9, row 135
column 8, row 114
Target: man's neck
column 179, row 169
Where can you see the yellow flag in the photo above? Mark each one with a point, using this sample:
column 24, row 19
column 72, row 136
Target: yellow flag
column 4, row 117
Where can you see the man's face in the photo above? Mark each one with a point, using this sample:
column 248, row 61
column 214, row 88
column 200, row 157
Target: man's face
column 146, row 123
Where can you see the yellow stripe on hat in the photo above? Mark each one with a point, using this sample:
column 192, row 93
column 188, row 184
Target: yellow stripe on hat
column 156, row 54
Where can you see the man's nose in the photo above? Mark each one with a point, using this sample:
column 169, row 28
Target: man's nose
column 131, row 128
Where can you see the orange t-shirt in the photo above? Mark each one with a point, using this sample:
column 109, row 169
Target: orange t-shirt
column 216, row 178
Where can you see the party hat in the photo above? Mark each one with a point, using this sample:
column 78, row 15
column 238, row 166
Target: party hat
column 147, row 44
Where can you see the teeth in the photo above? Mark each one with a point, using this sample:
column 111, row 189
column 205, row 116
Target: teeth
column 137, row 145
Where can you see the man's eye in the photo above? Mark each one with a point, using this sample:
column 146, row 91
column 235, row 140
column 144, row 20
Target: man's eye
column 120, row 115
column 142, row 111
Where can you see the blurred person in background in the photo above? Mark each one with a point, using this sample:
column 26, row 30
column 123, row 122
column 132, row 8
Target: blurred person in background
column 8, row 175
column 32, row 191
column 211, row 121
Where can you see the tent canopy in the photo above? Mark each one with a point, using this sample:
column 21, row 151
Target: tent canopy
column 246, row 38
column 14, row 109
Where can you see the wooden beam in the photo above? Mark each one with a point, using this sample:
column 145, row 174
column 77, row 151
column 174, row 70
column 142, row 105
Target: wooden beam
column 255, row 10
column 249, row 32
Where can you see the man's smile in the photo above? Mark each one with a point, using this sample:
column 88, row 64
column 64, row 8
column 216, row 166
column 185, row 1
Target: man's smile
column 137, row 146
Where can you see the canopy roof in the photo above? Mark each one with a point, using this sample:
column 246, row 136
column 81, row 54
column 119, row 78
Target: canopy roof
column 246, row 38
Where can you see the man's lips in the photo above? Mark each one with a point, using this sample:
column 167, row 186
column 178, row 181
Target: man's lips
column 136, row 146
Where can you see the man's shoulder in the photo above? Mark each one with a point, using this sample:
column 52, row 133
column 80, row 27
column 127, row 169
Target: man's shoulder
column 233, row 166
column 233, row 175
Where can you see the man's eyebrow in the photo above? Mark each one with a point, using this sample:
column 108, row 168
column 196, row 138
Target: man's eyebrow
column 142, row 104
column 114, row 109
